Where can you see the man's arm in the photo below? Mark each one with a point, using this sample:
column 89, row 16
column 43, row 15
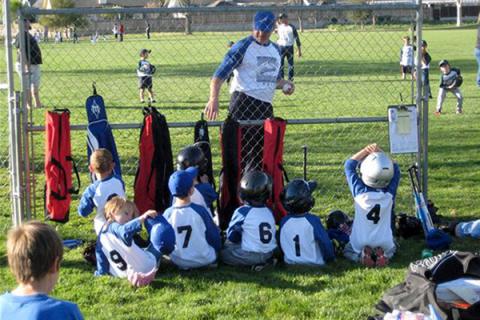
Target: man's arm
column 297, row 40
column 211, row 109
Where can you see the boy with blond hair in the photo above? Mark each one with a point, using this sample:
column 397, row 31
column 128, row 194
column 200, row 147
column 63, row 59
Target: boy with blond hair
column 116, row 252
column 99, row 192
column 34, row 254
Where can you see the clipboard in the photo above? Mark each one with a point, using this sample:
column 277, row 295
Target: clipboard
column 403, row 129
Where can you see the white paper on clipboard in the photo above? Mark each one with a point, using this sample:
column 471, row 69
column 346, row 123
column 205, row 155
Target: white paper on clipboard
column 402, row 129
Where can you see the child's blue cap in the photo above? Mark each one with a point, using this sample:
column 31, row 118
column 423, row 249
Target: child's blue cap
column 181, row 181
column 264, row 21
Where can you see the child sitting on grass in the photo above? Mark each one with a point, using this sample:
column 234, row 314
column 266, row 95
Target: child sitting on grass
column 302, row 237
column 99, row 192
column 251, row 232
column 371, row 241
column 117, row 253
column 35, row 251
column 198, row 238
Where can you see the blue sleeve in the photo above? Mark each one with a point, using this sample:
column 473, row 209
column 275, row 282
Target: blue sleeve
column 296, row 36
column 73, row 312
column 103, row 266
column 235, row 230
column 86, row 204
column 164, row 238
column 322, row 238
column 126, row 231
column 208, row 193
column 355, row 184
column 393, row 186
column 212, row 234
column 233, row 58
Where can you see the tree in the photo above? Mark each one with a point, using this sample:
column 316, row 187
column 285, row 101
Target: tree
column 299, row 15
column 62, row 20
column 14, row 6
column 361, row 16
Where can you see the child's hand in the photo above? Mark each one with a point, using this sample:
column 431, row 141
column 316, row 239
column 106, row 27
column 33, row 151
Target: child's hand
column 204, row 178
column 371, row 148
column 149, row 214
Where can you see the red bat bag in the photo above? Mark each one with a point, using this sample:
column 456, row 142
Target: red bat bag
column 58, row 166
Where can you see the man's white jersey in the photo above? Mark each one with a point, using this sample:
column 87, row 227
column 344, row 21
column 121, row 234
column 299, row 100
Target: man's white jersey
column 254, row 227
column 286, row 36
column 255, row 67
column 117, row 254
column 197, row 238
column 406, row 58
column 97, row 195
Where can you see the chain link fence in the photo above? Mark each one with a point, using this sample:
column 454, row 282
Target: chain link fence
column 346, row 77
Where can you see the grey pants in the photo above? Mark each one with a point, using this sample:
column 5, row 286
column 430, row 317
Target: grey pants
column 350, row 254
column 442, row 92
column 233, row 254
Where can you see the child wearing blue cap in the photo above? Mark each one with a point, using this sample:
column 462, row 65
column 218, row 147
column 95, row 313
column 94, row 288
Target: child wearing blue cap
column 197, row 236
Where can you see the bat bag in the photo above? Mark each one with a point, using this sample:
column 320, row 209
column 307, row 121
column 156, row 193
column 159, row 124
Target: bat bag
column 274, row 133
column 202, row 137
column 58, row 166
column 99, row 132
column 155, row 163
column 230, row 175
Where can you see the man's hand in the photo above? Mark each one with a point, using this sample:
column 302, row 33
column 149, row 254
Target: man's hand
column 299, row 52
column 211, row 109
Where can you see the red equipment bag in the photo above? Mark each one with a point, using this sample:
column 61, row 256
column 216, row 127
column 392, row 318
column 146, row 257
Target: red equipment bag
column 274, row 133
column 230, row 140
column 155, row 164
column 58, row 166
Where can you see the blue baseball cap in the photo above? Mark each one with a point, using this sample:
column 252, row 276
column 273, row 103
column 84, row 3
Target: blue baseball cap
column 264, row 21
column 181, row 181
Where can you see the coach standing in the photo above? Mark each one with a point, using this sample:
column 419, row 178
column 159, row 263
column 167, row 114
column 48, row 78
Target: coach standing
column 287, row 35
column 255, row 63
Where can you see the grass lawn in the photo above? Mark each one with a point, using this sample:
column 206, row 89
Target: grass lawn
column 342, row 74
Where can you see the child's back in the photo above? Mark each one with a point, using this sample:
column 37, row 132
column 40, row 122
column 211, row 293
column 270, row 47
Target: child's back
column 302, row 237
column 197, row 237
column 254, row 227
column 37, row 307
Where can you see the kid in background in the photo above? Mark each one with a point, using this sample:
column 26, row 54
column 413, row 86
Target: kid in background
column 117, row 253
column 103, row 189
column 425, row 68
column 197, row 236
column 145, row 71
column 406, row 58
column 450, row 81
column 251, row 232
column 302, row 237
column 371, row 241
column 34, row 252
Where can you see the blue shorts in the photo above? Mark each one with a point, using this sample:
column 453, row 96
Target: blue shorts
column 145, row 83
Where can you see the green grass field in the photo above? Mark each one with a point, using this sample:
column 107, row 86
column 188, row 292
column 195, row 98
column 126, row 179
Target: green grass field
column 342, row 74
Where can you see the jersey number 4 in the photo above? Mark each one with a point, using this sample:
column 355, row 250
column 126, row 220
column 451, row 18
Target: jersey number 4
column 374, row 214
column 188, row 229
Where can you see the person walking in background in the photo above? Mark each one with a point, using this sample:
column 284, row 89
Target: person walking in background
column 287, row 35
column 121, row 31
column 115, row 31
column 33, row 60
column 406, row 58
column 147, row 30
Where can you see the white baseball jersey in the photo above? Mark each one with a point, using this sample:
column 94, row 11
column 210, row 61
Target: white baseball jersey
column 254, row 227
column 300, row 239
column 96, row 195
column 255, row 67
column 198, row 198
column 117, row 254
column 406, row 56
column 287, row 35
column 372, row 225
column 197, row 237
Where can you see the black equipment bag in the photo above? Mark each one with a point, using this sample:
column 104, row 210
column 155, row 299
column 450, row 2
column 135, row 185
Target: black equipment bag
column 202, row 137
column 418, row 290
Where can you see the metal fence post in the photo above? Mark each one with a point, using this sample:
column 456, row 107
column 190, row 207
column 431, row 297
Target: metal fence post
column 422, row 104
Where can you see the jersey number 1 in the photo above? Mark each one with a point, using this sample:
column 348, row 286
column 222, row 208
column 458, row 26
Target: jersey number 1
column 296, row 239
column 374, row 214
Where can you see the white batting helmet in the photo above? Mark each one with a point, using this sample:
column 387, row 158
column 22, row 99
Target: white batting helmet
column 377, row 170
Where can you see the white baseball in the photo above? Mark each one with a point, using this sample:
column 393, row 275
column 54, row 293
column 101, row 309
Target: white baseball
column 287, row 87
